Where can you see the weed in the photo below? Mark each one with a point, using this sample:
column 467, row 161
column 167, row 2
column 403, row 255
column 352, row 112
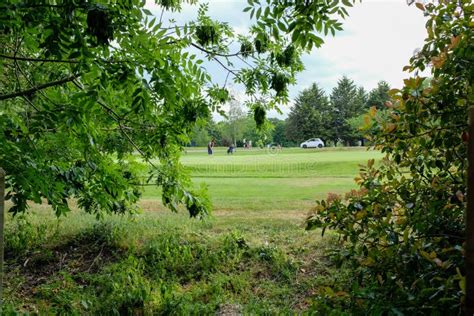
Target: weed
column 22, row 236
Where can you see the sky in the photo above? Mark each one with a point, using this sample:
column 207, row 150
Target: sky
column 378, row 39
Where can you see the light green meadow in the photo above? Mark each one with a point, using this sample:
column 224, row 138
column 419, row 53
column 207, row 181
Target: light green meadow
column 265, row 180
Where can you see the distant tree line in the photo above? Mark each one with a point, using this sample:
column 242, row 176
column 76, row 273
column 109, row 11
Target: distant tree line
column 336, row 119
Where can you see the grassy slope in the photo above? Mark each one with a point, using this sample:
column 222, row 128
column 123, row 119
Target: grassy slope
column 253, row 252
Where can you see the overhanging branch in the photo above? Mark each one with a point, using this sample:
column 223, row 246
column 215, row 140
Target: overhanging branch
column 45, row 60
column 214, row 53
column 37, row 88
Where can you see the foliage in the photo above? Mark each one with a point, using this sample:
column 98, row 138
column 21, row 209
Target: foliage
column 200, row 136
column 86, row 83
column 252, row 132
column 360, row 99
column 347, row 102
column 233, row 130
column 361, row 126
column 314, row 115
column 24, row 236
column 379, row 95
column 279, row 133
column 368, row 125
column 159, row 265
column 403, row 230
column 311, row 116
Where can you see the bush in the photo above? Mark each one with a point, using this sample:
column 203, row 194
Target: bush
column 402, row 232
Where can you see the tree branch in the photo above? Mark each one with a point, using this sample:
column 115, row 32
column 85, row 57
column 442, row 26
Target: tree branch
column 67, row 61
column 44, row 60
column 37, row 88
column 225, row 67
column 210, row 52
column 39, row 59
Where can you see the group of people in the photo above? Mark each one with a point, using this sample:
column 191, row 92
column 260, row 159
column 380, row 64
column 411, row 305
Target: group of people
column 212, row 143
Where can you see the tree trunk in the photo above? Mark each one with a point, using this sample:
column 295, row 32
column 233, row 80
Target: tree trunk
column 2, row 226
column 469, row 255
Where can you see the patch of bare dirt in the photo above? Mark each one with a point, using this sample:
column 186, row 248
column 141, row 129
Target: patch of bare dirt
column 80, row 255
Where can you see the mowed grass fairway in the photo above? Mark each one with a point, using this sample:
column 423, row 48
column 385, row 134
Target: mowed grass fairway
column 252, row 255
column 267, row 180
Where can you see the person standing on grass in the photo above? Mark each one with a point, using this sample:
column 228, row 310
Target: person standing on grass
column 210, row 145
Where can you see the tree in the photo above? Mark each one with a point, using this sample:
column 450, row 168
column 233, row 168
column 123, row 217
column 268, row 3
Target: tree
column 254, row 133
column 356, row 122
column 346, row 103
column 86, row 85
column 367, row 126
column 360, row 102
column 250, row 132
column 356, row 125
column 379, row 95
column 311, row 116
column 279, row 132
column 404, row 229
column 200, row 136
column 234, row 128
column 214, row 131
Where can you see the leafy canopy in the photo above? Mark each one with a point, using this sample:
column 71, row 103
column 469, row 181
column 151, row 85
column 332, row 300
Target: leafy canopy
column 85, row 86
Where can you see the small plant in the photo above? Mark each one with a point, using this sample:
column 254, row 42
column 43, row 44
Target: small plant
column 278, row 263
column 124, row 288
column 23, row 236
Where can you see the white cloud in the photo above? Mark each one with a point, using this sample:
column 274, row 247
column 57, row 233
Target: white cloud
column 379, row 38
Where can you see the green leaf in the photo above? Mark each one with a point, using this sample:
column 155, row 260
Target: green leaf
column 75, row 55
column 281, row 26
column 347, row 3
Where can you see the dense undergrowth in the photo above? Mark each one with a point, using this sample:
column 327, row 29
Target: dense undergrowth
column 132, row 268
